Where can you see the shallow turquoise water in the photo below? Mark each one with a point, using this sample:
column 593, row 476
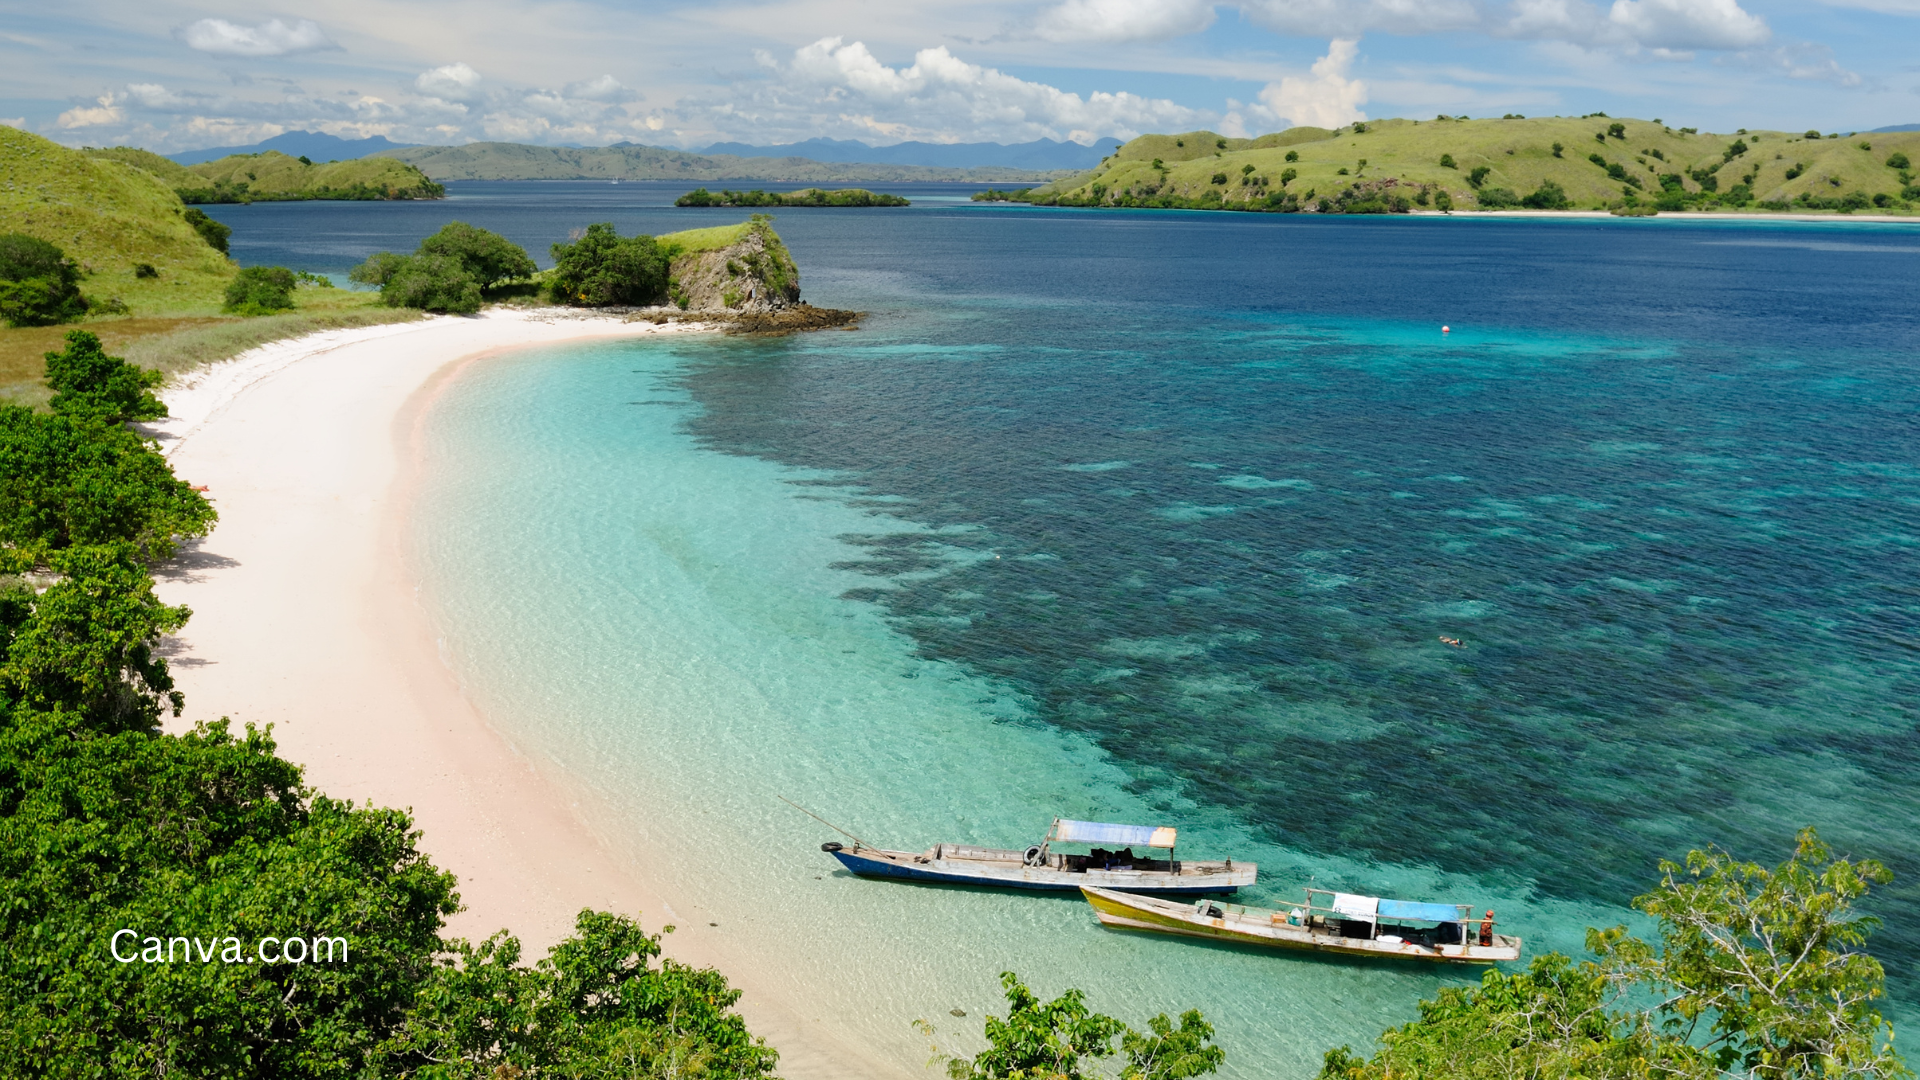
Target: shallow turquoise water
column 1064, row 532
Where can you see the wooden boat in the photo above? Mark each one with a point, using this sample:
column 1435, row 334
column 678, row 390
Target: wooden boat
column 1327, row 922
column 1040, row 867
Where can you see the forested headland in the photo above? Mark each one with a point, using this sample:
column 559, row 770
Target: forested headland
column 1453, row 163
column 272, row 176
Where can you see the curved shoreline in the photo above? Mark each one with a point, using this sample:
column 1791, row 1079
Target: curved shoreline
column 307, row 617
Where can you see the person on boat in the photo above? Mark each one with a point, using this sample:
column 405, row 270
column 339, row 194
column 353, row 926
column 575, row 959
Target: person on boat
column 1486, row 929
column 1296, row 917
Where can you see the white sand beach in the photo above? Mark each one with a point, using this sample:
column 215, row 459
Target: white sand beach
column 304, row 618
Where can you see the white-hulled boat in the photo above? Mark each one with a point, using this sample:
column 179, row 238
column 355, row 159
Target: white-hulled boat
column 1326, row 921
column 1040, row 867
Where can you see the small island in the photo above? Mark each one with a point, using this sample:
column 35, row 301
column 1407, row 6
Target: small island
column 272, row 176
column 803, row 197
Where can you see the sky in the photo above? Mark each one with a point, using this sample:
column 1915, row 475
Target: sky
column 173, row 75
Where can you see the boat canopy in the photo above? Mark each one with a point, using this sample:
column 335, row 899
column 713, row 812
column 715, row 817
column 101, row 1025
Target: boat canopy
column 1095, row 832
column 1413, row 909
column 1371, row 907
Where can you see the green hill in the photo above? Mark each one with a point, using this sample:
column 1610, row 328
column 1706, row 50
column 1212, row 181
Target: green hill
column 174, row 173
column 1641, row 162
column 626, row 161
column 110, row 218
column 273, row 176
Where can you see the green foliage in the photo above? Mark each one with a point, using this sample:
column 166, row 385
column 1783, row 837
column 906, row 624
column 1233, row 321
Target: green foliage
column 213, row 232
column 273, row 176
column 67, row 482
column 1443, row 201
column 1478, row 176
column 1217, row 178
column 1293, row 155
column 491, row 259
column 431, row 283
column 1496, row 198
column 1618, row 131
column 1288, row 176
column 88, row 383
column 260, row 290
column 1739, row 147
column 1757, row 972
column 596, row 1006
column 1898, row 160
column 1557, row 148
column 1056, row 1040
column 602, row 268
column 1548, row 196
column 39, row 285
column 1446, row 162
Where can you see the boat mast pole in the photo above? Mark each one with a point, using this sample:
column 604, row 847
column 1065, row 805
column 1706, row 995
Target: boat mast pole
column 857, row 842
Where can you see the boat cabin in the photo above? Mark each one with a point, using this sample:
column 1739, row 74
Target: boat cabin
column 1372, row 918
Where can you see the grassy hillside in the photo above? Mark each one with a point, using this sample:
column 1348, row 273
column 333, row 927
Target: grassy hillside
column 275, row 176
column 174, row 173
column 517, row 161
column 1746, row 170
column 109, row 217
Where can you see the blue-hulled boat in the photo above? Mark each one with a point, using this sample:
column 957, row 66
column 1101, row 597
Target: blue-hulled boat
column 1040, row 867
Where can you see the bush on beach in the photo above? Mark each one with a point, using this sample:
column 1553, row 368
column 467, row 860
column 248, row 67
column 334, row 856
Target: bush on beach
column 451, row 271
column 602, row 268
column 261, row 290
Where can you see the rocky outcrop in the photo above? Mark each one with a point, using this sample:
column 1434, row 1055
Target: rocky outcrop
column 752, row 274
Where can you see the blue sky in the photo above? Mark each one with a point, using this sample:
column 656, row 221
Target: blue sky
column 173, row 75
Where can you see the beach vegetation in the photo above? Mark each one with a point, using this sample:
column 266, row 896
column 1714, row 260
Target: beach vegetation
column 1443, row 201
column 39, row 285
column 602, row 268
column 261, row 290
column 1757, row 972
column 1063, row 1039
column 451, row 271
column 491, row 259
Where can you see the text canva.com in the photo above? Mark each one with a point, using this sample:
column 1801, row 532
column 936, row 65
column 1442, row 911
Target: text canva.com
column 129, row 947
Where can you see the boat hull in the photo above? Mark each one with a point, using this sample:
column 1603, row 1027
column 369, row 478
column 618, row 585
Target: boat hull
column 903, row 866
column 1124, row 912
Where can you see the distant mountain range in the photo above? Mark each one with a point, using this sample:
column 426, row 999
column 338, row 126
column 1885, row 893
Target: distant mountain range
column 315, row 145
column 1038, row 154
column 629, row 161
column 1898, row 127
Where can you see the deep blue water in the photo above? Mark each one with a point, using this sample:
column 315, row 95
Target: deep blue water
column 1213, row 489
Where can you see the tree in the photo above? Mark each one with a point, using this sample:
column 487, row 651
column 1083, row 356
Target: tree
column 1756, row 972
column 1443, row 201
column 39, row 285
column 489, row 257
column 1548, row 196
column 1052, row 1040
column 260, row 290
column 1446, row 162
column 66, row 482
column 603, row 268
column 1478, row 176
column 1768, row 960
column 431, row 283
column 213, row 232
column 87, row 382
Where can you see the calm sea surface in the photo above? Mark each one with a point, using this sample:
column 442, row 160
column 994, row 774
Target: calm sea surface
column 1166, row 516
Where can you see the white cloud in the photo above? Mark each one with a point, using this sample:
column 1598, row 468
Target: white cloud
column 14, row 122
column 836, row 86
column 108, row 111
column 1351, row 18
column 270, row 38
column 1327, row 98
column 605, row 88
column 1123, row 20
column 454, row 82
column 154, row 96
column 1688, row 24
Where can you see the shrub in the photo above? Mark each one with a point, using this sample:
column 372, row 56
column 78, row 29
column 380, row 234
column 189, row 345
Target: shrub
column 377, row 269
column 1911, row 192
column 1341, row 171
column 39, row 285
column 1883, row 200
column 432, row 283
column 1442, row 201
column 1496, row 198
column 1812, row 133
column 1618, row 131
column 1288, row 176
column 1739, row 147
column 1797, row 169
column 1219, row 178
column 145, row 270
column 1446, row 161
column 1293, row 155
column 1597, row 160
column 213, row 232
column 1479, row 175
column 1557, row 148
column 260, row 290
column 1898, row 160
column 1548, row 196
column 488, row 257
column 86, row 382
column 603, row 268
column 1245, row 169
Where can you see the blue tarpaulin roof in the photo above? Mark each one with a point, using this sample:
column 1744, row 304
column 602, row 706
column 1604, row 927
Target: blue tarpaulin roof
column 1411, row 909
column 1095, row 832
